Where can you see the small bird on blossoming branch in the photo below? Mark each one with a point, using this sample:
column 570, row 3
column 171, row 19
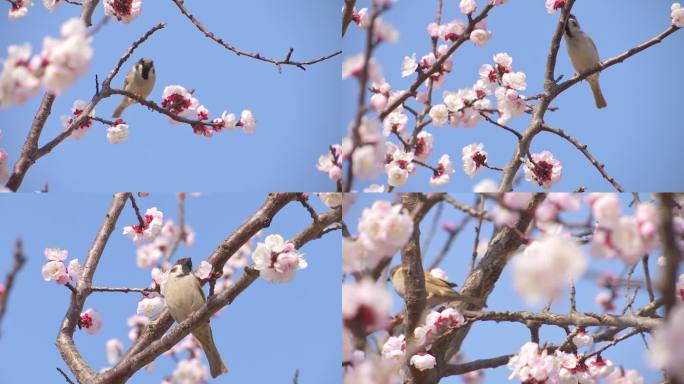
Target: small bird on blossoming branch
column 184, row 295
column 438, row 291
column 139, row 80
column 584, row 56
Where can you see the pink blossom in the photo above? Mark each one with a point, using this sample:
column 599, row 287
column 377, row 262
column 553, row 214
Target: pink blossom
column 583, row 339
column 545, row 170
column 90, row 321
column 125, row 11
column 117, row 134
column 365, row 307
column 84, row 126
column 55, row 271
column 480, row 37
column 468, row 6
column 423, row 361
column 114, row 348
column 277, row 260
column 666, row 350
column 151, row 306
column 677, row 15
column 546, row 266
column 439, row 273
column 384, row 228
column 204, row 270
column 553, row 5
column 444, row 170
column 152, row 226
column 474, row 157
column 394, row 347
column 56, row 254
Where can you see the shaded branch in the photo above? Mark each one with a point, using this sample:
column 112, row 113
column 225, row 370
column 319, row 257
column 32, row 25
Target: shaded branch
column 459, row 369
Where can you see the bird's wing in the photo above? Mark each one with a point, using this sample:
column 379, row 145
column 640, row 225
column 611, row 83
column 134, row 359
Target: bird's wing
column 127, row 81
column 437, row 281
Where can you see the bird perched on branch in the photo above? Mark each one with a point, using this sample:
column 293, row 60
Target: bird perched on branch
column 438, row 291
column 584, row 56
column 139, row 80
column 184, row 295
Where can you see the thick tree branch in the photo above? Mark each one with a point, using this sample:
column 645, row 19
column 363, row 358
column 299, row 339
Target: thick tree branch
column 671, row 252
column 65, row 341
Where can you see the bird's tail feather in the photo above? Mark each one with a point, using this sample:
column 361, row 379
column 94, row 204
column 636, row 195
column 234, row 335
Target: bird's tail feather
column 596, row 90
column 216, row 364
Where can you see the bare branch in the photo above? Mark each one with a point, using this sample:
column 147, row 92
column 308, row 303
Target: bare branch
column 459, row 369
column 278, row 63
column 583, row 148
column 19, row 261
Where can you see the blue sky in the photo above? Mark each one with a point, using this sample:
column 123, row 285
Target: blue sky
column 489, row 339
column 275, row 328
column 295, row 111
column 636, row 135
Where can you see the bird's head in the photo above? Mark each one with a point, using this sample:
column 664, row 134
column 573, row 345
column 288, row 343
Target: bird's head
column 182, row 267
column 145, row 67
column 572, row 27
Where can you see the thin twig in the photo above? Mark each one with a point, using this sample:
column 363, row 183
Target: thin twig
column 141, row 221
column 19, row 261
column 278, row 63
column 583, row 148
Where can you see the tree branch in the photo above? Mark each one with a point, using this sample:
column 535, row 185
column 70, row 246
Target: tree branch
column 583, row 148
column 65, row 341
column 278, row 63
column 19, row 261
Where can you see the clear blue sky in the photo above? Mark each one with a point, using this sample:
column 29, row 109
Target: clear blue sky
column 273, row 328
column 489, row 339
column 637, row 135
column 293, row 109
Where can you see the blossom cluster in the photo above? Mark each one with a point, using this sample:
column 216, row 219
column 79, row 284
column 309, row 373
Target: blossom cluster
column 180, row 102
column 331, row 163
column 277, row 260
column 123, row 10
column 383, row 229
column 624, row 236
column 60, row 63
column 55, row 269
column 116, row 133
column 436, row 323
column 148, row 230
column 530, row 365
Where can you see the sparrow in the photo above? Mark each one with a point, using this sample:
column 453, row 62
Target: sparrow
column 438, row 291
column 584, row 56
column 139, row 80
column 184, row 295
